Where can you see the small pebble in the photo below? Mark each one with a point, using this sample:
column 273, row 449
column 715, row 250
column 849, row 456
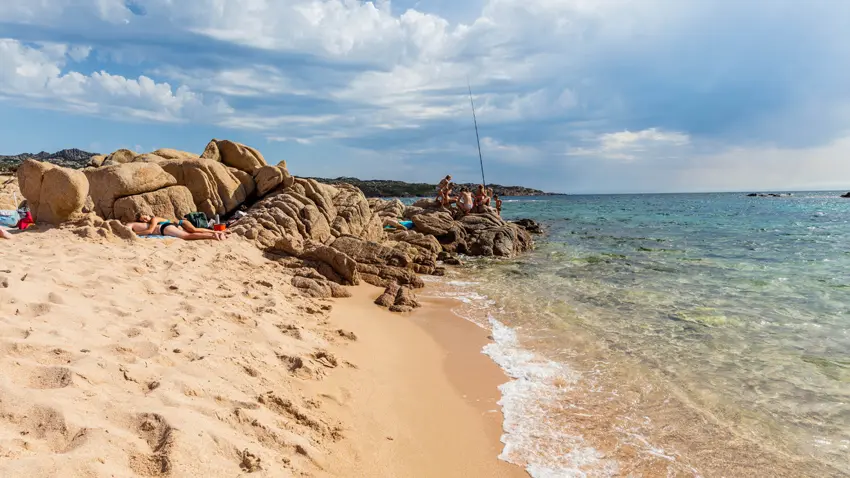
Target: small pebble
column 177, row 351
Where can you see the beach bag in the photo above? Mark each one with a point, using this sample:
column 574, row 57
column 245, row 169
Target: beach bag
column 26, row 221
column 198, row 219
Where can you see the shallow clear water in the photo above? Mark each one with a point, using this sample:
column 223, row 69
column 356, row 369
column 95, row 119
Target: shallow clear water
column 673, row 335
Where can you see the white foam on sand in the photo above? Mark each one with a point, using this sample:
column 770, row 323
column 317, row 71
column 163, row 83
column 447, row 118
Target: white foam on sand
column 532, row 438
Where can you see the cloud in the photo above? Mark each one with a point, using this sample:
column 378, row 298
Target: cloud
column 34, row 75
column 556, row 83
column 629, row 146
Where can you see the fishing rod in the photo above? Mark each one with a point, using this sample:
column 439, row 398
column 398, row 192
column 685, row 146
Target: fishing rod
column 477, row 139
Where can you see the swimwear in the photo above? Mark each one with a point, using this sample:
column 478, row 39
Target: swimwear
column 162, row 226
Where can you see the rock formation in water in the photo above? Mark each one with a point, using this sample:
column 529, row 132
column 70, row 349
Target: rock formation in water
column 325, row 236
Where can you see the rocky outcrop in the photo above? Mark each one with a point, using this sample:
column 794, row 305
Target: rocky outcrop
column 171, row 203
column 54, row 194
column 846, row 195
column 397, row 298
column 326, row 236
column 529, row 225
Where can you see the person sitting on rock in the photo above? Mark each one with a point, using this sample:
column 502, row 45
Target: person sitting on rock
column 498, row 203
column 148, row 225
column 481, row 199
column 441, row 188
column 465, row 203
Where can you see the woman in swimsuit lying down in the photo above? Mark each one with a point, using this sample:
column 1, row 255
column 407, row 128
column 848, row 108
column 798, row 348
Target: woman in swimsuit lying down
column 152, row 225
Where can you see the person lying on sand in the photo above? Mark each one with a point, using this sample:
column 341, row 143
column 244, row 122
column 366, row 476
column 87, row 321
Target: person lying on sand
column 151, row 225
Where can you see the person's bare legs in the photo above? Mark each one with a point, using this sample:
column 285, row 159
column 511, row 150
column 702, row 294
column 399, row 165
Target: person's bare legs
column 175, row 231
column 5, row 234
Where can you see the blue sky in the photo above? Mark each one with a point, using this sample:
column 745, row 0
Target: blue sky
column 572, row 96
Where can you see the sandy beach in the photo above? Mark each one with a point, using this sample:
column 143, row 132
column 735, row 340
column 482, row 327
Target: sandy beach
column 166, row 358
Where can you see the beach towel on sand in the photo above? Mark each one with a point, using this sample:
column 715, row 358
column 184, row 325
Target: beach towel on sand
column 9, row 218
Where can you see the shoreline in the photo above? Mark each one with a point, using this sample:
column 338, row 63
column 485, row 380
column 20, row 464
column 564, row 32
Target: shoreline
column 423, row 402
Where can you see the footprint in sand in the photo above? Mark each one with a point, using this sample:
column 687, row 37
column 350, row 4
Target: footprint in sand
column 159, row 435
column 51, row 377
column 48, row 424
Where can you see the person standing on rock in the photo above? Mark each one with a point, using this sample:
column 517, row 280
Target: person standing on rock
column 498, row 203
column 442, row 189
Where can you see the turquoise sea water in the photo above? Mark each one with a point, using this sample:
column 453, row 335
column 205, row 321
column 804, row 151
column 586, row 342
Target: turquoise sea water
column 673, row 335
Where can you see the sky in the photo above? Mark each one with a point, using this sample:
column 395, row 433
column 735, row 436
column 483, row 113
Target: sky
column 572, row 96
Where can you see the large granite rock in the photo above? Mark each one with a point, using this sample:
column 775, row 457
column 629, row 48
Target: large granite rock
column 236, row 155
column 54, row 194
column 171, row 203
column 392, row 209
column 214, row 187
column 121, row 156
column 436, row 223
column 110, row 183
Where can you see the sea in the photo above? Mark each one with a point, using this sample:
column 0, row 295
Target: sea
column 671, row 335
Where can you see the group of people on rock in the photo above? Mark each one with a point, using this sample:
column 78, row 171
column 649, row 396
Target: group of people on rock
column 483, row 200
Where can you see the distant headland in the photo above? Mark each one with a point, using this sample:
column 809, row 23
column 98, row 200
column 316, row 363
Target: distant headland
column 379, row 188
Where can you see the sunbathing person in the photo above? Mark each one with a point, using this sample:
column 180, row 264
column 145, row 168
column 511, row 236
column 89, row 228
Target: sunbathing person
column 182, row 229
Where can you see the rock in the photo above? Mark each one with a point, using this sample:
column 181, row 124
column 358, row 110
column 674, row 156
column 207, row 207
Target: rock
column 411, row 211
column 387, row 299
column 109, row 183
column 54, row 194
column 171, row 203
column 434, row 223
column 401, row 308
column 121, row 156
column 239, row 156
column 97, row 160
column 246, row 179
column 406, row 298
column 847, row 195
column 215, row 190
column 393, row 209
column 341, row 263
column 319, row 287
column 167, row 153
column 449, row 258
column 270, row 177
column 529, row 225
column 369, row 252
column 752, row 195
column 211, row 152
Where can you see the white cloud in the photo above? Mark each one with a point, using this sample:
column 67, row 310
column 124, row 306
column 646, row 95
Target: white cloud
column 35, row 75
column 629, row 146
